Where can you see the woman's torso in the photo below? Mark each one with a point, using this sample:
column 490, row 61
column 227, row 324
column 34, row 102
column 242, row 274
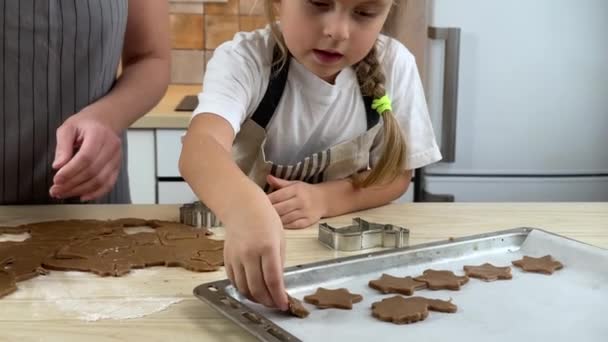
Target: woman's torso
column 56, row 57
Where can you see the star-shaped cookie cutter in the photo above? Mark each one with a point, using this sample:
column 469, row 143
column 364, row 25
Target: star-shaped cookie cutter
column 363, row 235
column 198, row 215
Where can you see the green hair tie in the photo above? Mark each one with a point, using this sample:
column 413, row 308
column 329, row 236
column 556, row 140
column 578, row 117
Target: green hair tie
column 382, row 105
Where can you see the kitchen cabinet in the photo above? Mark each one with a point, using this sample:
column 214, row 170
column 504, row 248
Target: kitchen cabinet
column 175, row 192
column 141, row 165
column 153, row 167
column 168, row 149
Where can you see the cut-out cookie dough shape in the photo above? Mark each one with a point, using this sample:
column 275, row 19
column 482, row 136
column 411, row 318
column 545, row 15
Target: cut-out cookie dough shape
column 339, row 299
column 488, row 272
column 442, row 280
column 545, row 265
column 400, row 310
column 296, row 308
column 104, row 247
column 389, row 284
column 116, row 255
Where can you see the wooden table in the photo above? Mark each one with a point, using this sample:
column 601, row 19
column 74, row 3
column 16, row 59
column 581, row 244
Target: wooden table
column 35, row 318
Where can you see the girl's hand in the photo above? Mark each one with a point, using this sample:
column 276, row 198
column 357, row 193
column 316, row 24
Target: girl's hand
column 88, row 157
column 299, row 204
column 254, row 253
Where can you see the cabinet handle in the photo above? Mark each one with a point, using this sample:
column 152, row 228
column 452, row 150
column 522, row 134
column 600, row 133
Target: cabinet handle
column 451, row 36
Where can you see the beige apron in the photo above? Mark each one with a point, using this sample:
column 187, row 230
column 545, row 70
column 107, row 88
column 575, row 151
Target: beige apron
column 338, row 162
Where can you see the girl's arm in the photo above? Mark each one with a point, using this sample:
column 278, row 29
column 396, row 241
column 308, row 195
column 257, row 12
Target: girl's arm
column 341, row 197
column 254, row 243
column 301, row 204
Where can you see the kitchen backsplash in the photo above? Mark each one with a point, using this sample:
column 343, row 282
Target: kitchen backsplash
column 199, row 26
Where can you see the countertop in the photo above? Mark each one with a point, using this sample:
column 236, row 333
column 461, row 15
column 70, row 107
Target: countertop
column 37, row 316
column 164, row 114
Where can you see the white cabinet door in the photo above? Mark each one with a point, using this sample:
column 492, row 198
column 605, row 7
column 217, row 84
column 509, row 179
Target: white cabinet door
column 168, row 149
column 175, row 193
column 141, row 166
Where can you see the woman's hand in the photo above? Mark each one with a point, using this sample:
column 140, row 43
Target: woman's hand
column 88, row 157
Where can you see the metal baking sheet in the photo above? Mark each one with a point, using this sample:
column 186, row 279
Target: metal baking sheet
column 568, row 306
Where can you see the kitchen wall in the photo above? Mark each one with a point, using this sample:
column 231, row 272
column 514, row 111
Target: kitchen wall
column 199, row 26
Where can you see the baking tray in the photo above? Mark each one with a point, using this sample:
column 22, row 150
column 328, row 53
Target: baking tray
column 569, row 305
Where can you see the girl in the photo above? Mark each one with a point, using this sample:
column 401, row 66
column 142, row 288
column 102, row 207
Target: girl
column 296, row 123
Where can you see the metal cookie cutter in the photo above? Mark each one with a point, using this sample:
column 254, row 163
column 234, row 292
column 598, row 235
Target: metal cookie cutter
column 363, row 235
column 198, row 215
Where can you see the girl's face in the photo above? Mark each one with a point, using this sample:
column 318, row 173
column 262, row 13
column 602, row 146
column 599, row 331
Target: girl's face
column 327, row 36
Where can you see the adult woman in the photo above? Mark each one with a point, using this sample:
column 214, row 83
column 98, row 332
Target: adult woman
column 64, row 111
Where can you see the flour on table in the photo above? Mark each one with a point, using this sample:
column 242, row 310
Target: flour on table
column 78, row 294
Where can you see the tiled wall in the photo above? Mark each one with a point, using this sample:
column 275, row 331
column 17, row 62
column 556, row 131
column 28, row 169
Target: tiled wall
column 199, row 26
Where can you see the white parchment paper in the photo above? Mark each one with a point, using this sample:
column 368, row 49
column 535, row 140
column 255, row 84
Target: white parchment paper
column 570, row 305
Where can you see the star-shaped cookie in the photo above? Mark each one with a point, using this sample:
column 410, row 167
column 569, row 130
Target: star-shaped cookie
column 400, row 310
column 296, row 308
column 488, row 272
column 545, row 265
column 442, row 280
column 389, row 284
column 339, row 299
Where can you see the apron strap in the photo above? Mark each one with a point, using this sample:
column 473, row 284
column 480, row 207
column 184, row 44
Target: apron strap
column 274, row 92
column 276, row 86
column 371, row 114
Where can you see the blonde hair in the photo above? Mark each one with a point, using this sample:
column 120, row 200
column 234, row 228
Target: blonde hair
column 276, row 32
column 371, row 80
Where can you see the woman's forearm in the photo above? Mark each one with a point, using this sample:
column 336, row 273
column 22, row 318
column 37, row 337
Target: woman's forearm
column 146, row 67
column 139, row 88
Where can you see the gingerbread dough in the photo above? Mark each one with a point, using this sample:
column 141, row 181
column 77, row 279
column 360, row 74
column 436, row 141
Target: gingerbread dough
column 7, row 283
column 104, row 248
column 339, row 299
column 442, row 280
column 488, row 272
column 546, row 265
column 400, row 310
column 390, row 284
column 296, row 308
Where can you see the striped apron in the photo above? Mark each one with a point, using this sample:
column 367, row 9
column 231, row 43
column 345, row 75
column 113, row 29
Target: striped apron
column 56, row 57
column 337, row 162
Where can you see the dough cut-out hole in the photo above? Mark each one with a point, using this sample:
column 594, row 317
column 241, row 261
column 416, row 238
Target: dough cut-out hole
column 277, row 334
column 252, row 317
column 14, row 237
column 137, row 230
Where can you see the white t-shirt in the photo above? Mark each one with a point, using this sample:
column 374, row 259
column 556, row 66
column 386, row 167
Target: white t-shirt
column 314, row 115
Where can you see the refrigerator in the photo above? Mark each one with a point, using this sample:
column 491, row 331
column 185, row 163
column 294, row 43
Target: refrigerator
column 518, row 96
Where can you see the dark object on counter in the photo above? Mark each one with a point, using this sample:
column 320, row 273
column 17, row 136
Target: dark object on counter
column 187, row 104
